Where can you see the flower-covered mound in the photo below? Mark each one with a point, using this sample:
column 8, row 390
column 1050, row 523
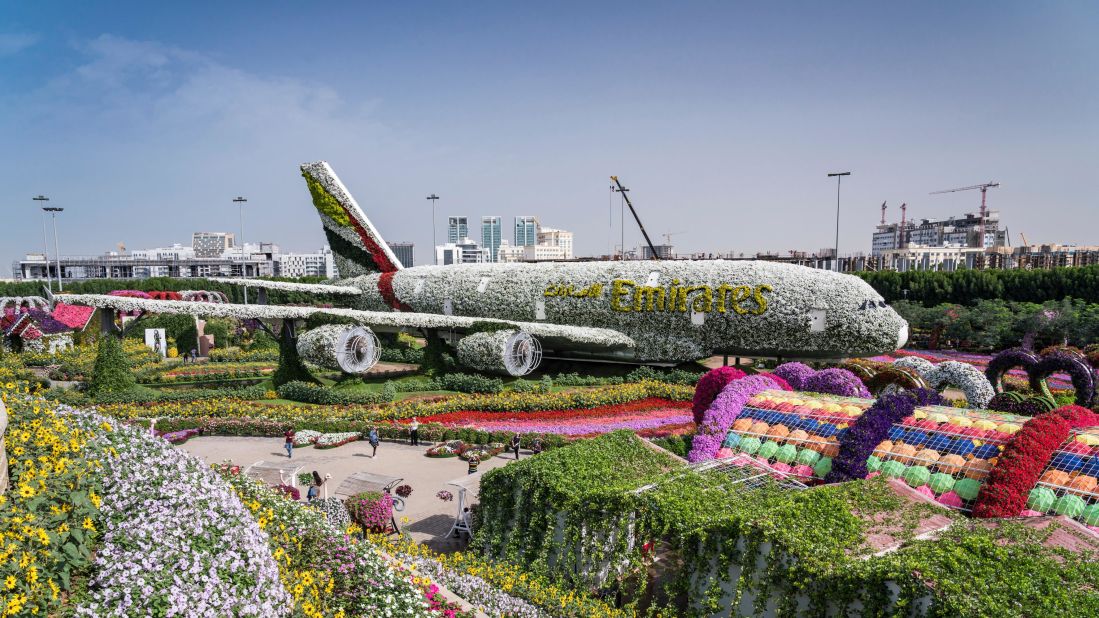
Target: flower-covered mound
column 648, row 417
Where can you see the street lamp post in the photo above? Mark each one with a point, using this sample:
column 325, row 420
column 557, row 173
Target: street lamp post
column 240, row 202
column 839, row 177
column 45, row 243
column 53, row 210
column 434, row 198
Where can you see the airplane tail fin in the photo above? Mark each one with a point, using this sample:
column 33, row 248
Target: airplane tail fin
column 358, row 247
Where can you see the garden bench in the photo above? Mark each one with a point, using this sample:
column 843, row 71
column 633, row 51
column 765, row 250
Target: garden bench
column 275, row 473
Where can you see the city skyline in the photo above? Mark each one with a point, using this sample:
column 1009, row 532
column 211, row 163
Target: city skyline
column 142, row 125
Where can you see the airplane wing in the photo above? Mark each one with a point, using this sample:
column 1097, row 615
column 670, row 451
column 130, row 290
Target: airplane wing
column 551, row 335
column 286, row 286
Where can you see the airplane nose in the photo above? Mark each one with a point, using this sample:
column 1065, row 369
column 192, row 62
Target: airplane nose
column 902, row 335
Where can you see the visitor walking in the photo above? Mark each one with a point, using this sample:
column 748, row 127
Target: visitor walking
column 515, row 445
column 289, row 445
column 186, row 355
column 194, row 355
column 474, row 461
column 414, row 431
column 315, row 486
column 372, row 437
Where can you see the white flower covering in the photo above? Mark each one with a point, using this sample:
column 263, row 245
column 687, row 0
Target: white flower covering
column 598, row 337
column 306, row 437
column 15, row 302
column 978, row 390
column 972, row 381
column 917, row 364
column 504, row 351
column 855, row 319
column 286, row 286
column 351, row 349
column 331, row 440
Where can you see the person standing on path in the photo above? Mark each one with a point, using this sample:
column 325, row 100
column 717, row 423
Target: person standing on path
column 372, row 437
column 515, row 445
column 474, row 461
column 289, row 443
column 414, row 431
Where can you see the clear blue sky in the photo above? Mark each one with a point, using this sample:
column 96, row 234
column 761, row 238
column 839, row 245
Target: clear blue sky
column 143, row 120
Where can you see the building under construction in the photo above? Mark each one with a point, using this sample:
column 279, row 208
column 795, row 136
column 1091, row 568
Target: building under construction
column 951, row 232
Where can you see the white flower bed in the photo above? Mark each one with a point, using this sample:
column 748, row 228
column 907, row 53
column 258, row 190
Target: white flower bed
column 15, row 302
column 332, row 440
column 177, row 541
column 334, row 511
column 920, row 365
column 306, row 437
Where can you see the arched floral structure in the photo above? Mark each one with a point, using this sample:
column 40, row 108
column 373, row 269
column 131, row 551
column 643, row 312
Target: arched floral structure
column 872, row 427
column 1081, row 372
column 709, row 386
column 1006, row 361
column 725, row 408
column 1025, row 457
column 978, row 390
column 902, row 377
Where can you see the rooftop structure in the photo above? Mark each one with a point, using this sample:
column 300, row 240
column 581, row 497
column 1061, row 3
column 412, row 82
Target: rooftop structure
column 950, row 232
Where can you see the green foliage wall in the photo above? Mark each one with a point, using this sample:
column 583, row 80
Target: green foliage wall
column 966, row 287
column 996, row 324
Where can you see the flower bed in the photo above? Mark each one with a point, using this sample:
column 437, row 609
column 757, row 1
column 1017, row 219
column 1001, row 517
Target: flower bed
column 32, row 526
column 1057, row 381
column 647, row 416
column 175, row 536
column 332, row 440
column 306, row 437
column 452, row 448
column 328, row 573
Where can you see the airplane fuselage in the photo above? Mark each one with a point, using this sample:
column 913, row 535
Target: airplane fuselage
column 674, row 310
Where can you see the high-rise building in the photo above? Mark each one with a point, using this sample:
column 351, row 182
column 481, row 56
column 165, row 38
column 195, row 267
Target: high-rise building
column 211, row 244
column 556, row 238
column 526, row 231
column 457, row 228
column 404, row 252
column 490, row 236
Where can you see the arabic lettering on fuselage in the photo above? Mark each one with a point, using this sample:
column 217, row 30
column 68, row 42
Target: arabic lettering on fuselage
column 628, row 296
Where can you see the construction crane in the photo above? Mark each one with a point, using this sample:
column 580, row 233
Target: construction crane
column 623, row 191
column 984, row 211
column 883, row 213
column 1023, row 236
column 668, row 237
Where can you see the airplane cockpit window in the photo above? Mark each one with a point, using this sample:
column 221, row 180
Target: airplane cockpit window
column 872, row 304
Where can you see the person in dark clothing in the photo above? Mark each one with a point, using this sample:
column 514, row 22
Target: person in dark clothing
column 515, row 445
column 289, row 445
column 473, row 463
column 372, row 437
column 536, row 446
column 414, row 431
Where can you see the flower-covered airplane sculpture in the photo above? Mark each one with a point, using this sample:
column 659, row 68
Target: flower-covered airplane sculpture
column 635, row 311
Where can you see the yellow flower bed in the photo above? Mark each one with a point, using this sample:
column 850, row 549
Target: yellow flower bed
column 46, row 518
column 502, row 402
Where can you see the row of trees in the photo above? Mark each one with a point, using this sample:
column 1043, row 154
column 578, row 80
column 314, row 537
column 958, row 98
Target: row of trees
column 966, row 287
column 992, row 325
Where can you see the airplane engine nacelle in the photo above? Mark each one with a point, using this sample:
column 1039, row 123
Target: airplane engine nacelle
column 351, row 349
column 505, row 351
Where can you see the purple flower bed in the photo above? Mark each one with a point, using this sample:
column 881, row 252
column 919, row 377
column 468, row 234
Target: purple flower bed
column 795, row 374
column 178, row 437
column 709, row 386
column 836, row 381
column 871, row 428
column 726, row 407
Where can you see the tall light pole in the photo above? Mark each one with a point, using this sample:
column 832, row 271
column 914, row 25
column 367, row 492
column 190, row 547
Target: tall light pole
column 434, row 198
column 839, row 178
column 53, row 210
column 240, row 202
column 45, row 243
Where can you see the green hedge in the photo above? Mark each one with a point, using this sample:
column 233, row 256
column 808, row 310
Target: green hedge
column 305, row 392
column 965, row 287
column 111, row 373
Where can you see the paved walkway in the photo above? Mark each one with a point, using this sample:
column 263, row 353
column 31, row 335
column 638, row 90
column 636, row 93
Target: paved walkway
column 429, row 518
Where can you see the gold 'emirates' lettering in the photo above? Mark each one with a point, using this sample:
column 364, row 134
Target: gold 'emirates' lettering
column 628, row 296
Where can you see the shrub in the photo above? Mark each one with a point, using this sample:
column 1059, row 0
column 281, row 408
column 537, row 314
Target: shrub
column 111, row 373
column 470, row 383
column 306, row 392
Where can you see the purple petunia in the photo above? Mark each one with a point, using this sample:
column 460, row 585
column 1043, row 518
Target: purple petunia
column 724, row 410
column 795, row 374
column 836, row 381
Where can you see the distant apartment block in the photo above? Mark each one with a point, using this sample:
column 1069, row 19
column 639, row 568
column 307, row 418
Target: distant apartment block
column 556, row 238
column 457, row 229
column 954, row 232
column 405, row 252
column 465, row 252
column 211, row 244
column 320, row 264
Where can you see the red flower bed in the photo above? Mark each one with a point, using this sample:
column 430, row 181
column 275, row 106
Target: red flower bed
column 466, row 417
column 1025, row 457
